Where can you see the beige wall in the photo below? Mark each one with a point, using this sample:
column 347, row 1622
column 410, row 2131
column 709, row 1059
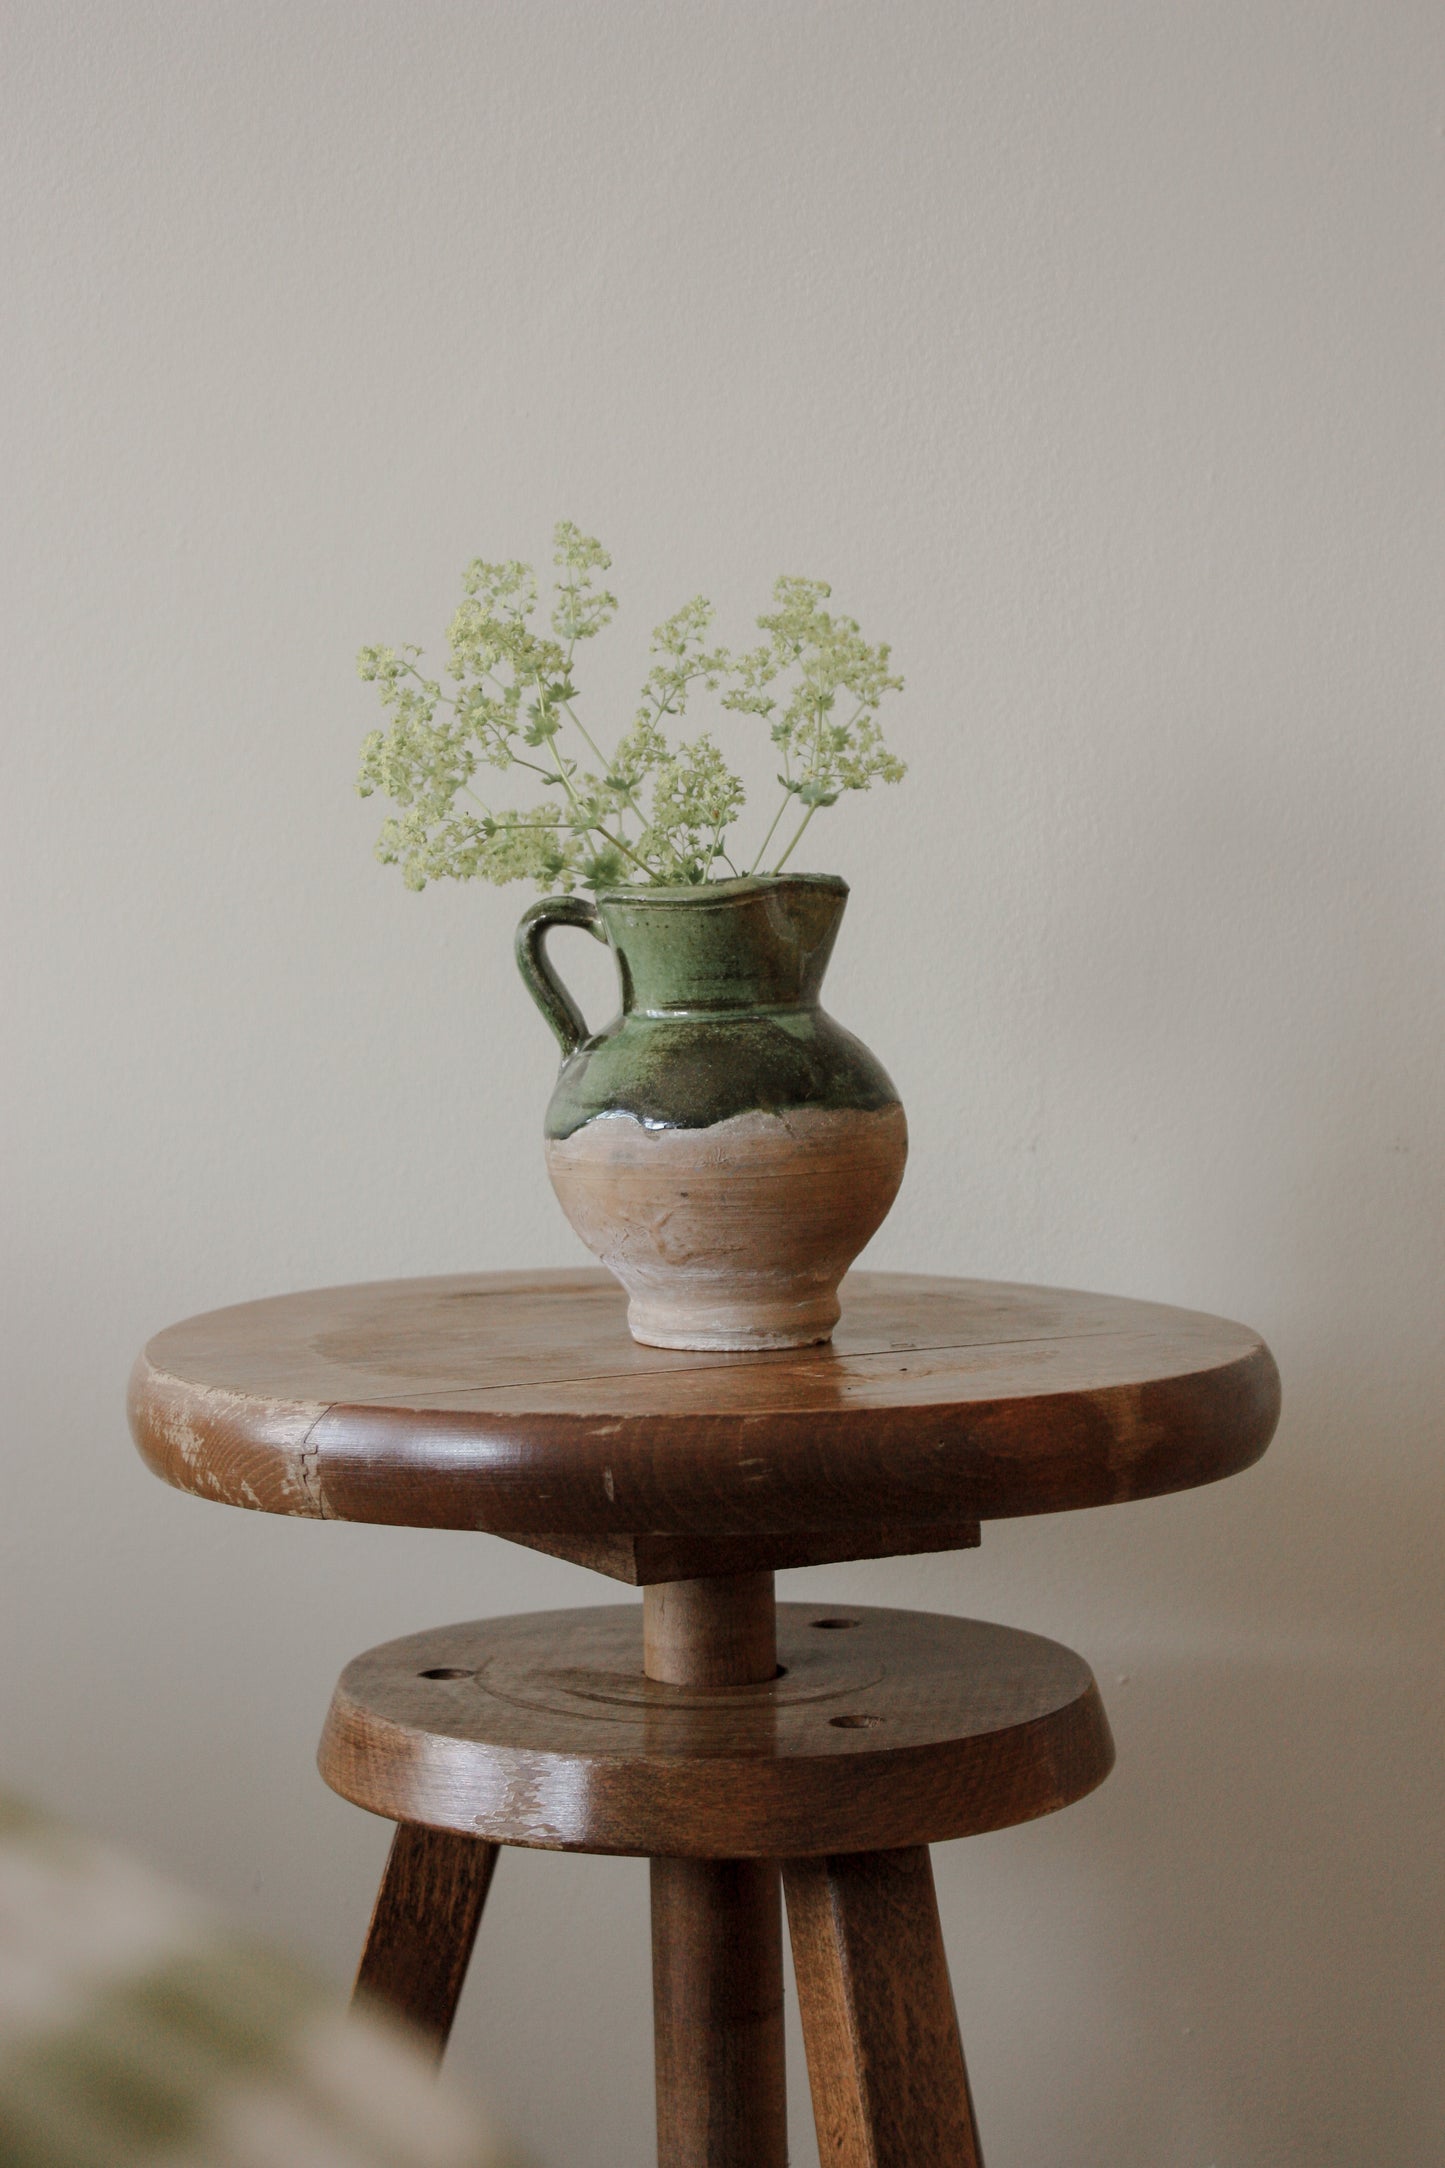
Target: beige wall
column 1094, row 351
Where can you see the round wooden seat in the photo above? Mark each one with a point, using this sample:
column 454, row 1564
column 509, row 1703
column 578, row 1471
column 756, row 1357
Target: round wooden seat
column 518, row 1403
column 883, row 1729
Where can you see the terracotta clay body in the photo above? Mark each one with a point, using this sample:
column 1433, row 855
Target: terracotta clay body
column 734, row 1236
column 723, row 1146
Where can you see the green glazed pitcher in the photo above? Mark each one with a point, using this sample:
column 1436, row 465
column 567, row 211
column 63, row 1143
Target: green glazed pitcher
column 723, row 1146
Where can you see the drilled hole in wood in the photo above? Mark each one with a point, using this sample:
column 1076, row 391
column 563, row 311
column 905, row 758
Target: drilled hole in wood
column 833, row 1625
column 854, row 1723
column 444, row 1671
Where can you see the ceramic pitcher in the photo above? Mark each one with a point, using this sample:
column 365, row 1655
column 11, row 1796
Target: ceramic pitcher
column 723, row 1146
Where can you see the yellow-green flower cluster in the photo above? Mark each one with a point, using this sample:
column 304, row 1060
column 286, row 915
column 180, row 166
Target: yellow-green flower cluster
column 654, row 811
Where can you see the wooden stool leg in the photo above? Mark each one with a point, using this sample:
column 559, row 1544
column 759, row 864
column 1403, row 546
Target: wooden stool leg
column 424, row 1923
column 717, row 1988
column 886, row 2064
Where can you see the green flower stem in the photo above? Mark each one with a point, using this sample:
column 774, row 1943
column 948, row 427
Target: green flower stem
column 772, row 831
column 594, row 748
column 618, row 844
column 596, row 827
column 616, row 841
column 796, row 840
column 491, row 816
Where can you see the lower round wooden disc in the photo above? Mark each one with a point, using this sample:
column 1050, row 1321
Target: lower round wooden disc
column 883, row 1729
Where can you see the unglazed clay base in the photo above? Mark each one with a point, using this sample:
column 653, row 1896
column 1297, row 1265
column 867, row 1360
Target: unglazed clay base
column 733, row 1236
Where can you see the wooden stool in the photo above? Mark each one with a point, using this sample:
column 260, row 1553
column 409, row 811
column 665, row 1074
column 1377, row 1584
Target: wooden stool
column 707, row 1729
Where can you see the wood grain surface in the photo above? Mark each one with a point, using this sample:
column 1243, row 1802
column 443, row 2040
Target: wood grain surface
column 884, row 1729
column 717, row 2013
column 885, row 2062
column 722, row 1631
column 423, row 1926
column 518, row 1403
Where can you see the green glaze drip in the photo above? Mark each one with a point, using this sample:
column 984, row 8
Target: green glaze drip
column 720, row 1013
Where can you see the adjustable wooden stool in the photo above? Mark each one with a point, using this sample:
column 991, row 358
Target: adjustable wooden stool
column 708, row 1729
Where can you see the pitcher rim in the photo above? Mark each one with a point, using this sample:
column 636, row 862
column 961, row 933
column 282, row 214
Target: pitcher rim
column 733, row 890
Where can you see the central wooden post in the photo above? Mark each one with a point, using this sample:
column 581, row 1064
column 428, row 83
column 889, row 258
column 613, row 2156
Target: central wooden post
column 717, row 1936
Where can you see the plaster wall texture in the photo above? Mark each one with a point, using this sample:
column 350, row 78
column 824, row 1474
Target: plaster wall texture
column 1094, row 353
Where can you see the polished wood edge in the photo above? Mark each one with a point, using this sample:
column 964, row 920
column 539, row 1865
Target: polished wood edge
column 971, row 1460
column 942, row 1466
column 915, row 1801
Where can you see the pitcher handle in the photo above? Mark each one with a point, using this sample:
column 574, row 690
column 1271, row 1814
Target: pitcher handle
column 541, row 981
